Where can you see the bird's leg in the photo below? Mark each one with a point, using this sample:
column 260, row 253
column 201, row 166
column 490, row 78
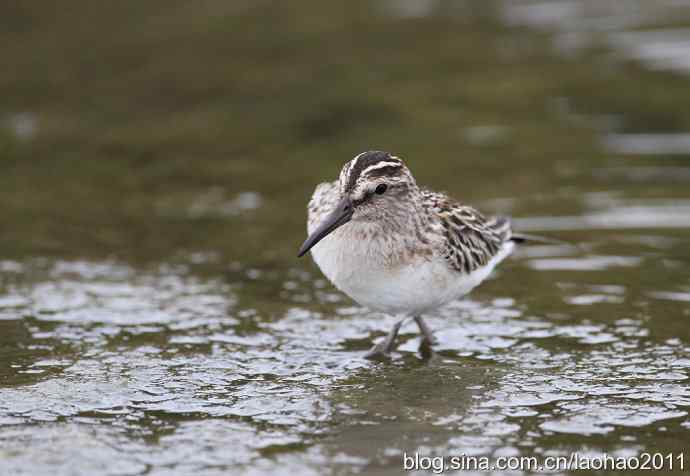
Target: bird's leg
column 385, row 347
column 428, row 338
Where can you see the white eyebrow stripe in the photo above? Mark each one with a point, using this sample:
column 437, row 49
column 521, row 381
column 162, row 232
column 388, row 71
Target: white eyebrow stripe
column 353, row 162
column 345, row 174
column 380, row 165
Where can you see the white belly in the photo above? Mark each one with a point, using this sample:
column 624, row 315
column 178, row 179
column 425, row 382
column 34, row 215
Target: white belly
column 410, row 289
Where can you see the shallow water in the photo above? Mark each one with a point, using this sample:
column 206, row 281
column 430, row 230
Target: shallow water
column 154, row 320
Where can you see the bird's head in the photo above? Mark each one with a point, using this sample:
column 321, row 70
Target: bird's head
column 375, row 186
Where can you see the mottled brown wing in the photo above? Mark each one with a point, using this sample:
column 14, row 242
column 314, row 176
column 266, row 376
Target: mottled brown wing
column 471, row 239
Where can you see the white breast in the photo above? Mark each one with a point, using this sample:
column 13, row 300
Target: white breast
column 358, row 268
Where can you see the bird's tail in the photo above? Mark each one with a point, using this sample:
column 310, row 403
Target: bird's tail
column 524, row 237
column 503, row 224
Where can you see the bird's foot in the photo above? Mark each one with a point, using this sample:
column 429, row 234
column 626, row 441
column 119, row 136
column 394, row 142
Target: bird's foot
column 425, row 348
column 385, row 347
column 379, row 351
column 428, row 339
column 427, row 335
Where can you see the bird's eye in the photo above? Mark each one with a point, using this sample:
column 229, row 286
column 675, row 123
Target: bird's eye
column 381, row 189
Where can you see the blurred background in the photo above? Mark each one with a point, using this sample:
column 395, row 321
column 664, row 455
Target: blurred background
column 157, row 159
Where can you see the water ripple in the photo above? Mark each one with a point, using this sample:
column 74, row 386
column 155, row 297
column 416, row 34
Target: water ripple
column 189, row 360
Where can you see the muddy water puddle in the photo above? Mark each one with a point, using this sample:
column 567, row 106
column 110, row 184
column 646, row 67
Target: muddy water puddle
column 166, row 370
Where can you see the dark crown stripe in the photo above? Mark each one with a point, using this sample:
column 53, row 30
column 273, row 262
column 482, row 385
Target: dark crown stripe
column 364, row 161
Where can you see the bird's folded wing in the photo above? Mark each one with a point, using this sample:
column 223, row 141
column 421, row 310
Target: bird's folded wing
column 471, row 239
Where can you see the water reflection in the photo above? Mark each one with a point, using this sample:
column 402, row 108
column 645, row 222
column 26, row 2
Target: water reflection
column 648, row 144
column 667, row 49
column 581, row 24
column 671, row 215
column 168, row 355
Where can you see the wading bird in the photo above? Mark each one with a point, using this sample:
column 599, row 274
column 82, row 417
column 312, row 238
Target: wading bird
column 397, row 248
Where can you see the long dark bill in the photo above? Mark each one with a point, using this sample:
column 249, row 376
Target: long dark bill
column 338, row 217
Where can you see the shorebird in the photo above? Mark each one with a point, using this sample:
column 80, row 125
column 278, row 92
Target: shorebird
column 397, row 248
